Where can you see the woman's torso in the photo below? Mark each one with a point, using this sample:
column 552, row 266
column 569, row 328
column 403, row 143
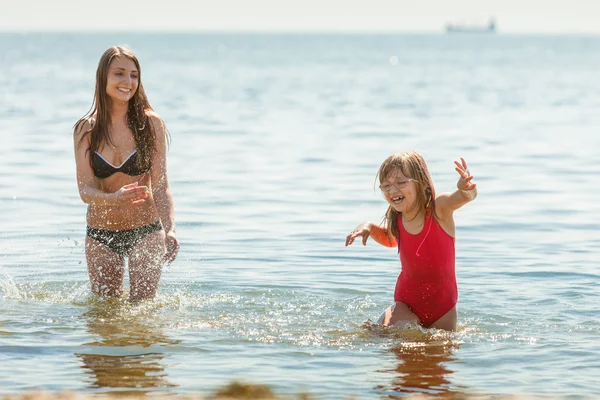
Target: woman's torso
column 114, row 168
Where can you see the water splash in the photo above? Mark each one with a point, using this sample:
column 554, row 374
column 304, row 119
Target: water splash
column 8, row 287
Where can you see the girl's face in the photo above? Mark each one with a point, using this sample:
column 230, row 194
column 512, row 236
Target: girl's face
column 399, row 191
column 122, row 80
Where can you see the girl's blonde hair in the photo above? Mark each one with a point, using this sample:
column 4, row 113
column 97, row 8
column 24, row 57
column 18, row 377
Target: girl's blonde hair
column 413, row 166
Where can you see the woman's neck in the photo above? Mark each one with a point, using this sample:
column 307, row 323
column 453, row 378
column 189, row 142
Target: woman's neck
column 118, row 112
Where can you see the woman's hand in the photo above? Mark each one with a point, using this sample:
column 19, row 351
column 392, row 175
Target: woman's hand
column 171, row 246
column 363, row 230
column 465, row 181
column 131, row 194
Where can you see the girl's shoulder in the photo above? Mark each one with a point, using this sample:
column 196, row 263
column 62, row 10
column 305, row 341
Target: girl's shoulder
column 442, row 209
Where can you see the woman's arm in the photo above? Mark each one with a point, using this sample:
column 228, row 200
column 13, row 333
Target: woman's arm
column 161, row 190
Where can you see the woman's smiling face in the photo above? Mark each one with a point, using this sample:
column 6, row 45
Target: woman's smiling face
column 122, row 80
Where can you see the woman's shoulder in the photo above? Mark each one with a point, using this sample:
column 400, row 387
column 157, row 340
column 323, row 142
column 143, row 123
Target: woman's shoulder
column 84, row 125
column 157, row 122
column 154, row 117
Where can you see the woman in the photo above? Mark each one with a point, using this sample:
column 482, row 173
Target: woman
column 120, row 154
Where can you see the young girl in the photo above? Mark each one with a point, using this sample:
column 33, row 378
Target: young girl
column 421, row 225
column 120, row 154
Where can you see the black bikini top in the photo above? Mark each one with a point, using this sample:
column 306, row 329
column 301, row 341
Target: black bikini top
column 104, row 169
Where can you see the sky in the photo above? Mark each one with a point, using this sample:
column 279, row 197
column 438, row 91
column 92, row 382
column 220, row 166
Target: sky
column 512, row 16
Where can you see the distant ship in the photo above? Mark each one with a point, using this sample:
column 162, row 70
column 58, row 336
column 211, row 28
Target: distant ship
column 489, row 28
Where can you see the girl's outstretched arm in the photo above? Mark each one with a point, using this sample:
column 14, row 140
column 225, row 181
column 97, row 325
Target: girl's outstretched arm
column 379, row 234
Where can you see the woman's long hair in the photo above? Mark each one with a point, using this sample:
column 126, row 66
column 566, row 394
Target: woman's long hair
column 413, row 166
column 137, row 117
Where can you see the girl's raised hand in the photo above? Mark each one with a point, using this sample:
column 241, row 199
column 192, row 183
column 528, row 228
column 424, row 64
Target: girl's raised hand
column 465, row 180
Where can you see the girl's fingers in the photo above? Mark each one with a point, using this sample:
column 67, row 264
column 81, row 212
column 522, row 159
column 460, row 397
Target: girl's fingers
column 462, row 173
column 460, row 168
column 353, row 235
column 465, row 173
column 349, row 240
column 462, row 165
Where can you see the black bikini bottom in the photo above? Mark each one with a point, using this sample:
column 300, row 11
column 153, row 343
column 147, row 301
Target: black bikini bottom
column 121, row 242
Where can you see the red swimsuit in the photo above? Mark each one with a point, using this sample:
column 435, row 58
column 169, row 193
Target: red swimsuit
column 427, row 282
